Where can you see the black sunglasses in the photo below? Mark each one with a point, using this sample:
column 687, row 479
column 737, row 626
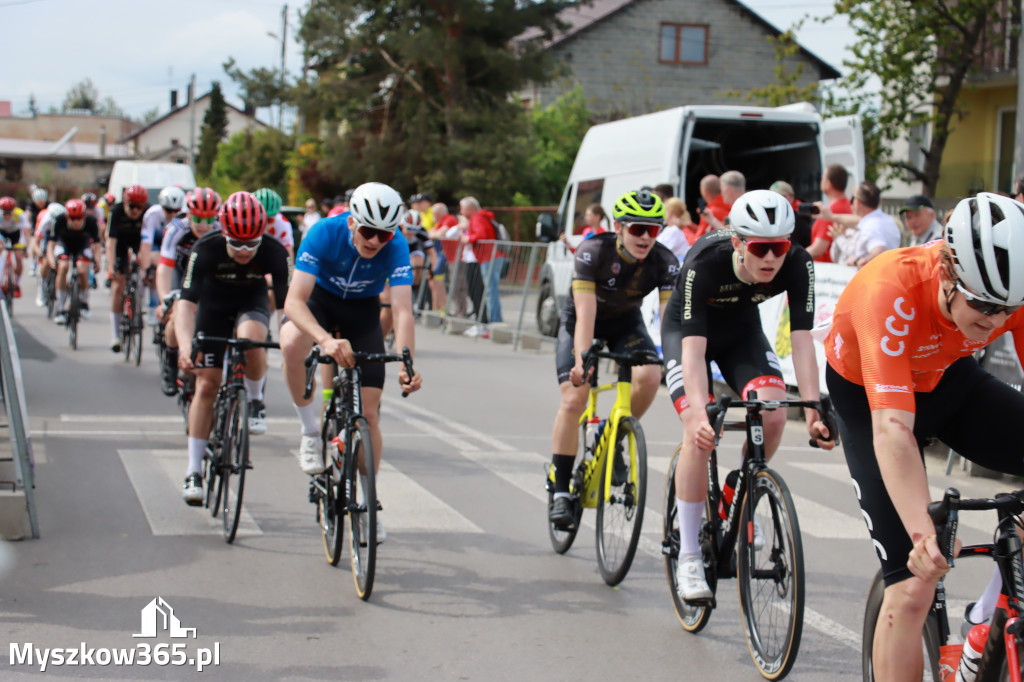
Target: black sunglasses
column 383, row 236
column 985, row 307
column 760, row 249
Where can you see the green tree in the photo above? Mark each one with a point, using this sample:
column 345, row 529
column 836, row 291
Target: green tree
column 82, row 95
column 922, row 53
column 424, row 94
column 557, row 132
column 213, row 130
column 252, row 159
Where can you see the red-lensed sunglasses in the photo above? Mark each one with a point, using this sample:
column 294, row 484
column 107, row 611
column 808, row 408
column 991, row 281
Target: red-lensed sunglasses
column 640, row 229
column 382, row 236
column 760, row 249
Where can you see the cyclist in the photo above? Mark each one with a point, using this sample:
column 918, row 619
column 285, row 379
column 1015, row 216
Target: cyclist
column 74, row 233
column 900, row 371
column 126, row 232
column 712, row 316
column 341, row 268
column 41, row 240
column 182, row 233
column 13, row 227
column 224, row 293
column 278, row 226
column 613, row 273
column 93, row 207
column 169, row 203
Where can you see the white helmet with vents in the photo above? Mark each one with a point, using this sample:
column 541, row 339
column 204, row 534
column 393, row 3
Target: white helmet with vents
column 377, row 205
column 985, row 236
column 762, row 214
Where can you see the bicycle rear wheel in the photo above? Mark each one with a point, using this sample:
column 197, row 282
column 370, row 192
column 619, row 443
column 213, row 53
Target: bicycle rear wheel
column 929, row 636
column 361, row 505
column 135, row 330
column 330, row 502
column 621, row 516
column 74, row 310
column 771, row 577
column 692, row 617
column 234, row 461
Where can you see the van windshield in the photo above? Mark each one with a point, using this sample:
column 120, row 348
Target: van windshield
column 763, row 151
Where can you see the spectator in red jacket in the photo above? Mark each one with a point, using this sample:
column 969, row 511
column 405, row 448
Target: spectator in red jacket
column 833, row 186
column 480, row 237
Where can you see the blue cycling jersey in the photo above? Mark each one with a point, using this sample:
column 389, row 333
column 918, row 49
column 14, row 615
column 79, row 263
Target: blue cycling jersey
column 328, row 253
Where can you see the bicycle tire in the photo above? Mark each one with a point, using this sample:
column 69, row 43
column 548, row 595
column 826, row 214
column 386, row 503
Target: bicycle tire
column 620, row 519
column 74, row 310
column 361, row 500
column 218, row 444
column 235, row 460
column 136, row 329
column 561, row 540
column 210, row 477
column 8, row 284
column 331, row 502
column 693, row 617
column 774, row 571
column 49, row 291
column 929, row 635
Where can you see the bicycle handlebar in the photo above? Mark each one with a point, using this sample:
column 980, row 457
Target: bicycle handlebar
column 716, row 411
column 316, row 357
column 630, row 359
column 945, row 514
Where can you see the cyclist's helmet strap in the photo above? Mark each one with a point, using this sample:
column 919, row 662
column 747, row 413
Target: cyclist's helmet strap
column 985, row 237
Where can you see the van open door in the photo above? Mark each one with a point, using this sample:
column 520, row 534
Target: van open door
column 843, row 142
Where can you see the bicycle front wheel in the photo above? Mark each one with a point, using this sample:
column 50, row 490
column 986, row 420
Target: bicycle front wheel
column 361, row 504
column 329, row 501
column 693, row 617
column 929, row 635
column 234, row 462
column 771, row 575
column 74, row 308
column 620, row 514
column 136, row 329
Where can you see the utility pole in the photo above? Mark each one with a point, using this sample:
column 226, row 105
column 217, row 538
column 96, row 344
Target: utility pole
column 192, row 123
column 284, row 43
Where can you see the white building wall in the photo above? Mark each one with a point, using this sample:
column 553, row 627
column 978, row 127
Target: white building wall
column 177, row 128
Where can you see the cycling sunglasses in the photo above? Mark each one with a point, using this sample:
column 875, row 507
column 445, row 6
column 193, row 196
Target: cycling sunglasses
column 137, row 207
column 640, row 229
column 245, row 245
column 760, row 249
column 985, row 307
column 209, row 221
column 382, row 236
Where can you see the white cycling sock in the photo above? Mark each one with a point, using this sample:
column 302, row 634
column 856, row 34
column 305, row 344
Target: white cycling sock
column 254, row 388
column 115, row 324
column 309, row 415
column 196, row 447
column 62, row 298
column 986, row 604
column 689, row 514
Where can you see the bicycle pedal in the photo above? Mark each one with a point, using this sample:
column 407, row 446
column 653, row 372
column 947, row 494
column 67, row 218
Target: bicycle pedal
column 708, row 602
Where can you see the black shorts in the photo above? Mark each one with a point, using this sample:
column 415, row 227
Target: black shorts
column 969, row 410
column 744, row 356
column 221, row 320
column 622, row 334
column 16, row 237
column 355, row 319
column 124, row 243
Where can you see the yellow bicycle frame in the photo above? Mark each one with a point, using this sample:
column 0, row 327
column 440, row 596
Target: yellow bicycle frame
column 621, row 409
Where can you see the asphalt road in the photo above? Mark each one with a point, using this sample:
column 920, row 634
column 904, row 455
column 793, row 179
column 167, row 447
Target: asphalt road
column 467, row 586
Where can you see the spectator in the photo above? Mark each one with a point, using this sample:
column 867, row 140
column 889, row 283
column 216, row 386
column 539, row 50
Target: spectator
column 732, row 185
column 594, row 221
column 422, row 202
column 443, row 222
column 714, row 206
column 919, row 216
column 665, row 191
column 677, row 225
column 802, row 231
column 833, row 186
column 481, row 229
column 311, row 216
column 340, row 204
column 326, row 204
column 468, row 268
column 876, row 231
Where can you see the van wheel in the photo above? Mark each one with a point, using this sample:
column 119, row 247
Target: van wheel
column 547, row 310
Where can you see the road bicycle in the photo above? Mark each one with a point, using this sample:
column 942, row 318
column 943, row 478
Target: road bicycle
column 346, row 489
column 754, row 537
column 1003, row 655
column 131, row 317
column 73, row 315
column 49, row 284
column 226, row 458
column 615, row 485
column 8, row 276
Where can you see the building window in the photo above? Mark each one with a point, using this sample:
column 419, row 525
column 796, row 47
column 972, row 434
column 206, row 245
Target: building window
column 683, row 44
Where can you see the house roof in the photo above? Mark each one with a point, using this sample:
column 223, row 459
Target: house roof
column 582, row 17
column 172, row 112
column 74, row 150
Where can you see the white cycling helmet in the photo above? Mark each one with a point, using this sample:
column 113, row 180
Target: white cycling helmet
column 171, row 198
column 762, row 214
column 985, row 236
column 39, row 194
column 55, row 210
column 376, row 205
column 411, row 220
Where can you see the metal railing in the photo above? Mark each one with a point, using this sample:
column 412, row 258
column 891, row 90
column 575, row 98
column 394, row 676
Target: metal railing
column 13, row 395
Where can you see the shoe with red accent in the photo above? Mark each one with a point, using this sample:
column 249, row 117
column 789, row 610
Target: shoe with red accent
column 17, row 291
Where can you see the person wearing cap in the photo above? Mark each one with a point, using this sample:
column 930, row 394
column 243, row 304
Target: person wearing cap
column 918, row 215
column 422, row 202
column 339, row 205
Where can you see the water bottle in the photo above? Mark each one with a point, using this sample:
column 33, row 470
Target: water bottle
column 593, row 432
column 728, row 491
column 971, row 656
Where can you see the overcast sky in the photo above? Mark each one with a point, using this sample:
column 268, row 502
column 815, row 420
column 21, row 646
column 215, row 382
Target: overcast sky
column 138, row 51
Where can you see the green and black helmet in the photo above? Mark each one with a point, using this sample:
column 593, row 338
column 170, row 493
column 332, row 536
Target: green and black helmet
column 642, row 206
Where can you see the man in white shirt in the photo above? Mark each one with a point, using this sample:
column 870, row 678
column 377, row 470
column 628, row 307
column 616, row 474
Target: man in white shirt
column 876, row 232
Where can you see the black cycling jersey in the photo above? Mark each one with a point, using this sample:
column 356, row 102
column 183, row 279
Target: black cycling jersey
column 419, row 240
column 712, row 294
column 619, row 280
column 75, row 241
column 121, row 227
column 215, row 277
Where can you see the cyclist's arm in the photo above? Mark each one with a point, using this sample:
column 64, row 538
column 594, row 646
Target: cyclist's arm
column 404, row 322
column 145, row 248
column 432, row 258
column 185, row 329
column 583, row 336
column 805, row 364
column 50, row 246
column 111, row 253
column 164, row 279
column 298, row 312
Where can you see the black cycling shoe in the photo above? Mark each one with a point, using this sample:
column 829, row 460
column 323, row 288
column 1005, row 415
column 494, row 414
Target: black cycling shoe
column 562, row 513
column 169, row 384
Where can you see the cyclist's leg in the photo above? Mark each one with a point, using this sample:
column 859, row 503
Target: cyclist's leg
column 119, row 269
column 628, row 334
column 253, row 324
column 566, row 430
column 897, row 647
column 63, row 263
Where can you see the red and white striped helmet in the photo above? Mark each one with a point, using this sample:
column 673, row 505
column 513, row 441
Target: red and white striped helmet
column 242, row 216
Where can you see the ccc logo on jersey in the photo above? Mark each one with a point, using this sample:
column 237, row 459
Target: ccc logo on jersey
column 897, row 328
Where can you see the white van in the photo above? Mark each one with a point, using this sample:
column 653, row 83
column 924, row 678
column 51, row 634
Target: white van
column 153, row 175
column 679, row 147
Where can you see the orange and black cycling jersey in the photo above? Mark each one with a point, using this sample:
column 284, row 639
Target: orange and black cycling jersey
column 888, row 331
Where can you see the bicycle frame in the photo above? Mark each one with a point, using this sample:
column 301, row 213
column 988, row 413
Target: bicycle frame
column 620, row 409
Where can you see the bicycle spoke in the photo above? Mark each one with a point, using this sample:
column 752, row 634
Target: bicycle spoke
column 620, row 515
